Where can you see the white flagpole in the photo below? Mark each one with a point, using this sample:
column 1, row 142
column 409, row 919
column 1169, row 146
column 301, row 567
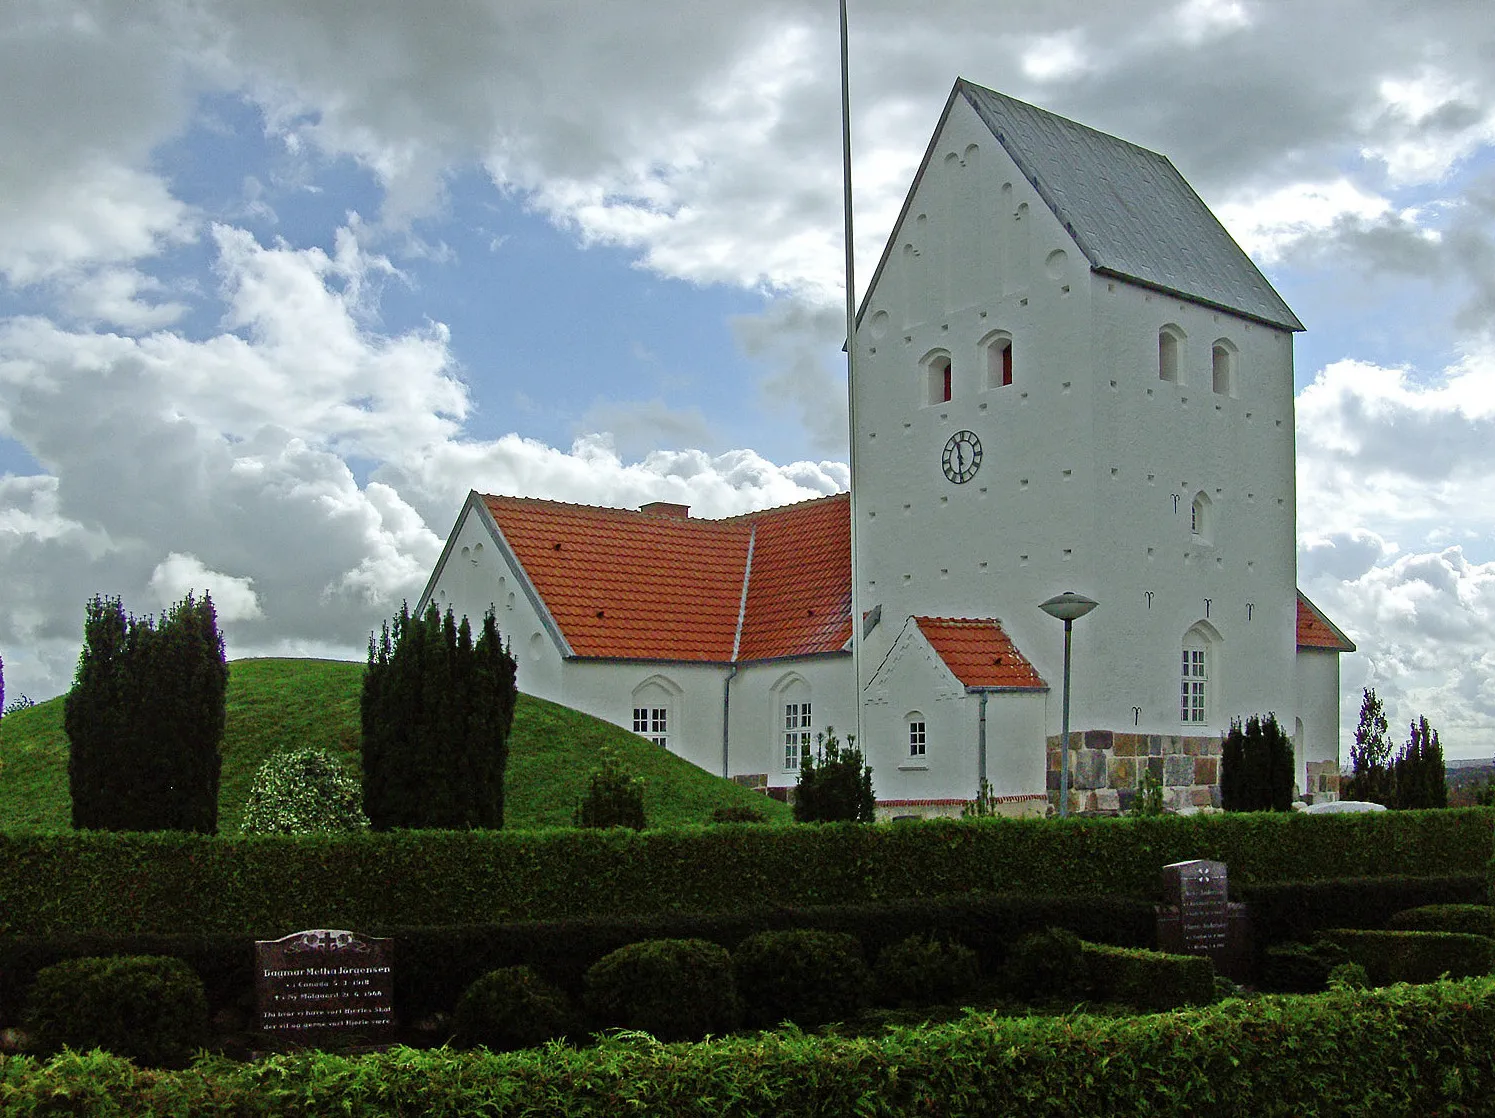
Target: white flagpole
column 851, row 398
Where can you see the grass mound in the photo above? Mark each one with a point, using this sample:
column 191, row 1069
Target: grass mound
column 281, row 704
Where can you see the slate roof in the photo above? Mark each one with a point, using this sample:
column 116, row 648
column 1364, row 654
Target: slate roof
column 1129, row 210
column 1316, row 631
column 979, row 653
column 659, row 586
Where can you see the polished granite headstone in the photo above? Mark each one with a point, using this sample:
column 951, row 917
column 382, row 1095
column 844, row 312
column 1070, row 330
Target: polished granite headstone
column 325, row 986
column 1197, row 917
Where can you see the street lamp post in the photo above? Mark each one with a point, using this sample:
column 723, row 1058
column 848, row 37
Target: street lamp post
column 1068, row 608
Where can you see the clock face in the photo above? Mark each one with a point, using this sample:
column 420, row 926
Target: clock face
column 962, row 457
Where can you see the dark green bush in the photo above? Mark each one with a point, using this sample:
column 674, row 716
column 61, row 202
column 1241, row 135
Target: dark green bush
column 1301, row 968
column 510, row 1008
column 675, row 989
column 1348, row 976
column 614, row 798
column 1471, row 919
column 150, row 1009
column 1147, row 980
column 1415, row 956
column 802, row 975
column 1046, row 965
column 923, row 970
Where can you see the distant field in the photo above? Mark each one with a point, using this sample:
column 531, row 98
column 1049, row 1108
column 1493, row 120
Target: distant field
column 286, row 704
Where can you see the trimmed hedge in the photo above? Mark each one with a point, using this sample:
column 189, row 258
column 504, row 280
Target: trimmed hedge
column 1416, row 956
column 1356, row 1054
column 436, row 964
column 60, row 884
column 802, row 975
column 1297, row 911
column 1471, row 919
column 508, row 1008
column 1148, row 980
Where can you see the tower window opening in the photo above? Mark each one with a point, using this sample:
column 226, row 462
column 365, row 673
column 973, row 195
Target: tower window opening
column 1169, row 346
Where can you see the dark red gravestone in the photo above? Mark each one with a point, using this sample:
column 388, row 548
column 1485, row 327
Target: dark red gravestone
column 325, row 986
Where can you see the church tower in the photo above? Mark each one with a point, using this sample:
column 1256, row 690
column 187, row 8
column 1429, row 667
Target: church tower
column 1070, row 377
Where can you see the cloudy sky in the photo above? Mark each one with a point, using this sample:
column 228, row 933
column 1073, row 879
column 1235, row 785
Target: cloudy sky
column 280, row 281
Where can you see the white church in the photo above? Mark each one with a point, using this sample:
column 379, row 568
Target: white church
column 1068, row 376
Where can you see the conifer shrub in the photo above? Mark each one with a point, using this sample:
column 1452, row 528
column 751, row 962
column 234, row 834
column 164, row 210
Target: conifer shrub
column 923, row 970
column 435, row 713
column 509, row 1008
column 674, row 989
column 147, row 1008
column 802, row 975
column 145, row 719
column 1046, row 965
column 303, row 792
column 1471, row 919
column 1349, row 976
column 1256, row 766
column 614, row 797
column 835, row 783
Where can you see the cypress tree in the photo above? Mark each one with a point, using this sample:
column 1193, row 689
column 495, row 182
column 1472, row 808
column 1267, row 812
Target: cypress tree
column 1256, row 761
column 1370, row 756
column 436, row 711
column 1418, row 779
column 145, row 719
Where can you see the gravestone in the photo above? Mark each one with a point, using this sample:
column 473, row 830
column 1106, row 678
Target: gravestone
column 1197, row 917
column 325, row 986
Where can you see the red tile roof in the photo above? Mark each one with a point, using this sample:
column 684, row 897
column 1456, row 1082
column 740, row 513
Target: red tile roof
column 978, row 652
column 1317, row 631
column 799, row 593
column 658, row 585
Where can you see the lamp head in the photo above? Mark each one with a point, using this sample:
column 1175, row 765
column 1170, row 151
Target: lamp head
column 1068, row 606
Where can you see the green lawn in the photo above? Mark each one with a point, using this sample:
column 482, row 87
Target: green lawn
column 287, row 704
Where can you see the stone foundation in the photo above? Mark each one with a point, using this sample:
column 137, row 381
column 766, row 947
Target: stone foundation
column 1106, row 769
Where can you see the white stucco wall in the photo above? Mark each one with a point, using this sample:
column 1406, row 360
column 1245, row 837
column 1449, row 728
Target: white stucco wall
column 759, row 693
column 1318, row 709
column 912, row 683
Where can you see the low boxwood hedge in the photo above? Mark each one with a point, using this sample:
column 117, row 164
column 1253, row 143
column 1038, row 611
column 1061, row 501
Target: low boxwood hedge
column 1415, row 956
column 1471, row 919
column 1296, row 911
column 1147, row 980
column 1356, row 1054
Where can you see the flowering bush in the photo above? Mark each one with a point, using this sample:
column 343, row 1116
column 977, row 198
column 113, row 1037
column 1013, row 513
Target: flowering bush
column 303, row 792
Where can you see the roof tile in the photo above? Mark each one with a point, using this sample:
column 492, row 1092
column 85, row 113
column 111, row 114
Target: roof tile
column 979, row 652
column 1315, row 630
column 662, row 586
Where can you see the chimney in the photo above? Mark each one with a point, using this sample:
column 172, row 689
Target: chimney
column 666, row 508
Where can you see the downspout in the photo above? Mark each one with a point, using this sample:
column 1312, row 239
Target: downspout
column 747, row 571
column 981, row 747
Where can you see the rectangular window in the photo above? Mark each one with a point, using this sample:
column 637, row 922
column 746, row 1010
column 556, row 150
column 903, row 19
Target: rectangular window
column 917, row 741
column 1007, row 364
column 1191, row 696
column 653, row 723
column 797, row 723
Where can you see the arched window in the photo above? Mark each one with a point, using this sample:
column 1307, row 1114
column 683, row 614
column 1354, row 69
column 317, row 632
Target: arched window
column 998, row 347
column 1198, row 675
column 1201, row 518
column 918, row 736
column 1170, row 353
column 1222, row 364
column 796, row 719
column 938, row 378
column 655, row 709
